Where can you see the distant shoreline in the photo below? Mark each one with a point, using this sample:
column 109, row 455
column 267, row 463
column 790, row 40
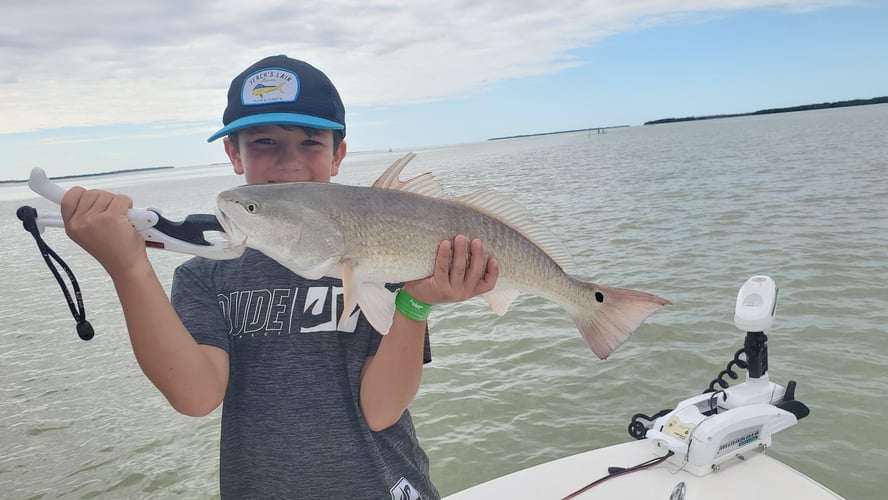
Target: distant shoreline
column 807, row 107
column 77, row 176
column 599, row 130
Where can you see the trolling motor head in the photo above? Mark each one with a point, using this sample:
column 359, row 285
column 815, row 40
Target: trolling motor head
column 756, row 304
column 753, row 314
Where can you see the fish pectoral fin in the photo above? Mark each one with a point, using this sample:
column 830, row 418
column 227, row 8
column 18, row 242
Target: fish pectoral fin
column 500, row 299
column 377, row 303
column 318, row 271
column 349, row 294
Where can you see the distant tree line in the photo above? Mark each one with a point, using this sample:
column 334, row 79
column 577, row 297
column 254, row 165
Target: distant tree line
column 77, row 176
column 599, row 130
column 806, row 107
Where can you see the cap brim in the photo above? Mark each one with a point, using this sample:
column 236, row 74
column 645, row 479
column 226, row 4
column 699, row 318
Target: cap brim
column 276, row 119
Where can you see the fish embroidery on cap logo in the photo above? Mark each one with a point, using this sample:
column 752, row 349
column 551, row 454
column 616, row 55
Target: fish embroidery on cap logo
column 264, row 89
column 270, row 85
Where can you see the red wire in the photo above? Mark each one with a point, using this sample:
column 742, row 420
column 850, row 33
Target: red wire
column 641, row 466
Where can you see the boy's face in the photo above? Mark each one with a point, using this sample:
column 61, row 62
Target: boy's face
column 272, row 153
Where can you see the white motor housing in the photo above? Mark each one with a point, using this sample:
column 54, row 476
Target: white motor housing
column 703, row 442
column 756, row 304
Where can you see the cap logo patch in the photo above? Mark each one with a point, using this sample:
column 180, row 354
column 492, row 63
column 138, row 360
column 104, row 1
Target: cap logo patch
column 270, row 85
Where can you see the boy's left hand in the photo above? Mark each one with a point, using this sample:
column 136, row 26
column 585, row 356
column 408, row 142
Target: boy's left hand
column 461, row 272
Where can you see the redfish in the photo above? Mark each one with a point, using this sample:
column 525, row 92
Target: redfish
column 389, row 233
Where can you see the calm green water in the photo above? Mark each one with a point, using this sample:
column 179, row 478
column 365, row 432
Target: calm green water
column 686, row 211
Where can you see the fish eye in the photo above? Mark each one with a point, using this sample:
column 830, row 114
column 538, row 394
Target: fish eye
column 251, row 207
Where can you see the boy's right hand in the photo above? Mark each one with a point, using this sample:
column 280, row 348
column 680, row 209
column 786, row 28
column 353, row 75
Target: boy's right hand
column 97, row 221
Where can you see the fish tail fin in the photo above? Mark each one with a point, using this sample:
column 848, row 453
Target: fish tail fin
column 616, row 313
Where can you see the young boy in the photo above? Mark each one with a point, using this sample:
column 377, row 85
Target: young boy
column 309, row 411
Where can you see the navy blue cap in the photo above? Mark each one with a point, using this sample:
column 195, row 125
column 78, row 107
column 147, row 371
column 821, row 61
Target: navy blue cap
column 279, row 90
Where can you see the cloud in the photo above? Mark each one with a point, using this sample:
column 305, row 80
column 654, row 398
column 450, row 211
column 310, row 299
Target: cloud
column 107, row 62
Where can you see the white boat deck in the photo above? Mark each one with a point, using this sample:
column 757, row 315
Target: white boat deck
column 759, row 477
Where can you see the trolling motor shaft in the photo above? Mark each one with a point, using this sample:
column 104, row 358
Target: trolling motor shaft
column 756, row 347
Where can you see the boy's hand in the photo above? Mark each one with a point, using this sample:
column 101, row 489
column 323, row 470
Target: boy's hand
column 461, row 272
column 97, row 221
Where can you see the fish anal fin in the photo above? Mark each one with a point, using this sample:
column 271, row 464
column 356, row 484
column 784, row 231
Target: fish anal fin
column 510, row 212
column 611, row 320
column 500, row 299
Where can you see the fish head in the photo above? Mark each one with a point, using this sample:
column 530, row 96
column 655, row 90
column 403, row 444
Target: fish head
column 281, row 221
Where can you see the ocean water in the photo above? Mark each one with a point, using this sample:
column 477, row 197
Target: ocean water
column 687, row 211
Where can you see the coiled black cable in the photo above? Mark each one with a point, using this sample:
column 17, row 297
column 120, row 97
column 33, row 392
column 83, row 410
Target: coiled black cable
column 729, row 372
column 637, row 429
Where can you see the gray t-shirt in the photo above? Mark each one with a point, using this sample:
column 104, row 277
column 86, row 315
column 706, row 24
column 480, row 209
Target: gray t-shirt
column 291, row 421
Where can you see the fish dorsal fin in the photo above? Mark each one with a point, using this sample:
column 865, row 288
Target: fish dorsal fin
column 510, row 212
column 389, row 179
column 424, row 184
column 492, row 203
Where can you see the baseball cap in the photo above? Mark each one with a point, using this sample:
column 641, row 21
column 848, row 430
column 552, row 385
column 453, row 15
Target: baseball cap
column 279, row 90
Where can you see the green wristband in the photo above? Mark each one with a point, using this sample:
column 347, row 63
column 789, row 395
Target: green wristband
column 412, row 308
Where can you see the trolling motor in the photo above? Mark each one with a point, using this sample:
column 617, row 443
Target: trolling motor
column 729, row 424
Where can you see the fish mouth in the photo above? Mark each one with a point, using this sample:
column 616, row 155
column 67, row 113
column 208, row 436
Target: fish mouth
column 236, row 238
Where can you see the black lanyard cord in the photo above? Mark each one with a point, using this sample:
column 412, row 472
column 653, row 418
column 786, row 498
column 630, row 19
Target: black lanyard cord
column 28, row 216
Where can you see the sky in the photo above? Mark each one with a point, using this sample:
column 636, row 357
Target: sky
column 97, row 86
